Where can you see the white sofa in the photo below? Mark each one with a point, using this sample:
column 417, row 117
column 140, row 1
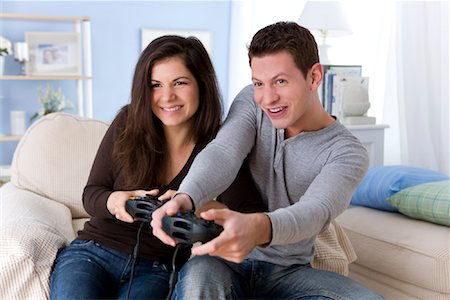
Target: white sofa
column 398, row 257
column 41, row 208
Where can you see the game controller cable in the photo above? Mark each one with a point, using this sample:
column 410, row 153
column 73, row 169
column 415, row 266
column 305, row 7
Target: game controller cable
column 174, row 274
column 135, row 253
column 141, row 209
column 186, row 228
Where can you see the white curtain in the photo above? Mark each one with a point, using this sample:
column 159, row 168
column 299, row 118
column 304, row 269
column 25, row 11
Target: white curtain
column 417, row 97
column 403, row 49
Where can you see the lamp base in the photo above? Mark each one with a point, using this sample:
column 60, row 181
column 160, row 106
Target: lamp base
column 323, row 54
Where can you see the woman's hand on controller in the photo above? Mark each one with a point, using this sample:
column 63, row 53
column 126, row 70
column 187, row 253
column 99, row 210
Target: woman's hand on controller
column 179, row 203
column 167, row 195
column 116, row 203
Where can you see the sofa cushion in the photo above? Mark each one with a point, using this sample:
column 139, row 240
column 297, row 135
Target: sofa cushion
column 54, row 158
column 32, row 230
column 380, row 183
column 428, row 201
column 413, row 251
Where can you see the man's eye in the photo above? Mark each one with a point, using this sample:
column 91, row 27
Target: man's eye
column 257, row 84
column 281, row 81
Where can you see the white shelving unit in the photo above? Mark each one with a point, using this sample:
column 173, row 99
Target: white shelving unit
column 83, row 81
column 372, row 137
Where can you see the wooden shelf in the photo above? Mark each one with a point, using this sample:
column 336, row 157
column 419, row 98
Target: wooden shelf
column 44, row 77
column 10, row 138
column 83, row 81
column 43, row 18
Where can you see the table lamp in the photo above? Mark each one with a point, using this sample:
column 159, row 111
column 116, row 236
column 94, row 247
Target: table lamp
column 328, row 19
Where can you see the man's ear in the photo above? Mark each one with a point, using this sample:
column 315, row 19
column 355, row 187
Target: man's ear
column 316, row 75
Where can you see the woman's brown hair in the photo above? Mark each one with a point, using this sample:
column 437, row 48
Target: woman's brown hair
column 139, row 148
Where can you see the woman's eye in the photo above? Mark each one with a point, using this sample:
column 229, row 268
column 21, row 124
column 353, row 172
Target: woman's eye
column 281, row 81
column 180, row 83
column 155, row 85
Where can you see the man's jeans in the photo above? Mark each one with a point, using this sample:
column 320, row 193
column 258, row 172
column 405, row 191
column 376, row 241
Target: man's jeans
column 87, row 270
column 205, row 277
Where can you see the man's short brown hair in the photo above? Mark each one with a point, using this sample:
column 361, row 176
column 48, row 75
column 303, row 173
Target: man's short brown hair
column 286, row 36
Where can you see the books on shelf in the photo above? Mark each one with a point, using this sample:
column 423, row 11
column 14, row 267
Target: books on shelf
column 326, row 88
column 344, row 94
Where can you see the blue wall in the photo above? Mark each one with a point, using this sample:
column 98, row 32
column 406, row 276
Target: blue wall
column 115, row 31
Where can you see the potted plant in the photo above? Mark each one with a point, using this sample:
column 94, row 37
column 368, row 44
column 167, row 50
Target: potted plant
column 52, row 101
column 5, row 49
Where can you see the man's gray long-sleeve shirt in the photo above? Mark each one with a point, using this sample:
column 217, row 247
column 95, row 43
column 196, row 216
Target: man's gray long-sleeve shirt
column 306, row 180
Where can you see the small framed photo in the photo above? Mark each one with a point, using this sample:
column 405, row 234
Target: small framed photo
column 148, row 35
column 53, row 53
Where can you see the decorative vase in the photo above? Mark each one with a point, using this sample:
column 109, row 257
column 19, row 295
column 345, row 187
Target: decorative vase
column 18, row 122
column 2, row 65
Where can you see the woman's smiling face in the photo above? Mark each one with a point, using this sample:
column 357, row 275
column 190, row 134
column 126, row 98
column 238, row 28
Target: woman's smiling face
column 175, row 93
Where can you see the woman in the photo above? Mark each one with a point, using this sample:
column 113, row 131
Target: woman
column 175, row 111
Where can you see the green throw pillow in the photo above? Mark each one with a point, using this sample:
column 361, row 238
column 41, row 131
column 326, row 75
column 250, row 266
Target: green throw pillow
column 428, row 201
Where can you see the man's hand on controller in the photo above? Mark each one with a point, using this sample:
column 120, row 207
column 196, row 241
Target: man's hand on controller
column 179, row 203
column 116, row 203
column 242, row 233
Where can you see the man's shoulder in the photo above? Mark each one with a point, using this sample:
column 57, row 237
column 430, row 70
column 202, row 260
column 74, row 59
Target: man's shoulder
column 336, row 137
column 244, row 100
column 246, row 93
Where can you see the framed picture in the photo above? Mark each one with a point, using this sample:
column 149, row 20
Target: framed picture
column 53, row 53
column 148, row 35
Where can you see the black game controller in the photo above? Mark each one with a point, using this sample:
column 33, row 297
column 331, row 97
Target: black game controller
column 187, row 228
column 141, row 208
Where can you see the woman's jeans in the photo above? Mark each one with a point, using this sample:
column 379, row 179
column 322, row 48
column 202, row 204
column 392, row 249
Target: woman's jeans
column 205, row 277
column 87, row 270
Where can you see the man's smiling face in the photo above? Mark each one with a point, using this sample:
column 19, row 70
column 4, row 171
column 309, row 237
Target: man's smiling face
column 281, row 90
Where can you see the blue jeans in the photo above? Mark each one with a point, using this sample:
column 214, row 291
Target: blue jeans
column 206, row 277
column 87, row 270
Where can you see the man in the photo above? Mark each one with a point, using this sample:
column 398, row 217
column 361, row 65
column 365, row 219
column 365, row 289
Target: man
column 305, row 164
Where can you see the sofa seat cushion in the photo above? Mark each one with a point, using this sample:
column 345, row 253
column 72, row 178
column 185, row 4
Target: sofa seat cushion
column 413, row 251
column 63, row 147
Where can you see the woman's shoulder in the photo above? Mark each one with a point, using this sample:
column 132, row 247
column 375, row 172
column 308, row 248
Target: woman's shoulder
column 121, row 117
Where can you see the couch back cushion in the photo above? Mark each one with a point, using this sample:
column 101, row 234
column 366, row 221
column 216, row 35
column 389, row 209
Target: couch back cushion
column 54, row 158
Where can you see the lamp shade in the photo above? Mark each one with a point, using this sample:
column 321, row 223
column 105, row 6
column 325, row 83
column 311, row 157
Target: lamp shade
column 327, row 17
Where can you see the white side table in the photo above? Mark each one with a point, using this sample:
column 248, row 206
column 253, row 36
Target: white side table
column 372, row 137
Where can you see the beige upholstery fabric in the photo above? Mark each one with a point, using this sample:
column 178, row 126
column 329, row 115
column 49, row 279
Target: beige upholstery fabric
column 391, row 245
column 33, row 228
column 54, row 158
column 392, row 288
column 78, row 224
column 49, row 170
column 333, row 252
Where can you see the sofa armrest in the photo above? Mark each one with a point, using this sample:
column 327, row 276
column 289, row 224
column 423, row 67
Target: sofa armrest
column 32, row 230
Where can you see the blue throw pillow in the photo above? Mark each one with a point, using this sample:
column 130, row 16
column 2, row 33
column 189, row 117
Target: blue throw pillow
column 380, row 183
